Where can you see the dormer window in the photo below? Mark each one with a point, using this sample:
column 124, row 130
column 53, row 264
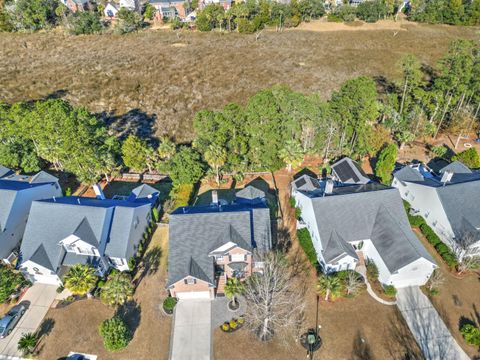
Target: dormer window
column 190, row 281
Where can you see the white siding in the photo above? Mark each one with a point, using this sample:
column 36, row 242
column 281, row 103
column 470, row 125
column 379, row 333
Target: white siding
column 38, row 274
column 416, row 273
column 371, row 253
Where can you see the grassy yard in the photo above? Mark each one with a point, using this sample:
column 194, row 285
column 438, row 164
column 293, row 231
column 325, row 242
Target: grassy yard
column 75, row 327
column 154, row 82
column 125, row 188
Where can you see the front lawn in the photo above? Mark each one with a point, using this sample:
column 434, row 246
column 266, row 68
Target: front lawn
column 124, row 188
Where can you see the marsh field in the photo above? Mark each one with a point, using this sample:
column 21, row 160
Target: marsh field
column 153, row 82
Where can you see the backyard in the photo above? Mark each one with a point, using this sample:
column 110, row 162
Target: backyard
column 75, row 327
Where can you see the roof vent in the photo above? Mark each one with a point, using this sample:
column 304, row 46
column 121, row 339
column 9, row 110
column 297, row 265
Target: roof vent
column 184, row 210
column 447, row 176
column 54, row 199
column 328, row 187
column 78, row 200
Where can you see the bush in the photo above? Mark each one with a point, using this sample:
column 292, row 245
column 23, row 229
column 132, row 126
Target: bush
column 115, row 333
column 128, row 21
column 416, row 221
column 372, row 11
column 471, row 334
column 84, row 22
column 298, row 213
column 10, row 281
column 347, row 13
column 233, row 324
column 292, row 202
column 186, row 166
column 155, row 214
column 386, row 163
column 132, row 262
column 306, row 243
column 389, row 290
column 469, row 158
column 60, row 289
column 372, row 270
column 181, row 195
column 442, row 249
column 169, row 304
column 225, row 326
column 439, row 150
column 334, row 18
column 241, row 321
column 245, row 26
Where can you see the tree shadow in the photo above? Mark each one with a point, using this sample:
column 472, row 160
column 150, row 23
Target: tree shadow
column 57, row 94
column 456, row 300
column 130, row 312
column 361, row 349
column 399, row 340
column 46, row 327
column 385, row 86
column 135, row 121
column 465, row 321
column 283, row 240
column 305, row 171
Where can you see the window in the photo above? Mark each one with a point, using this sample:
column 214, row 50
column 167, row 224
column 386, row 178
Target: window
column 219, row 257
column 190, row 281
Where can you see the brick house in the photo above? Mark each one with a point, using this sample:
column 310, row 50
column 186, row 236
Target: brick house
column 169, row 9
column 76, row 5
column 209, row 244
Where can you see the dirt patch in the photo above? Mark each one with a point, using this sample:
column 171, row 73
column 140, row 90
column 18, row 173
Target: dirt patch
column 325, row 26
column 75, row 327
column 142, row 83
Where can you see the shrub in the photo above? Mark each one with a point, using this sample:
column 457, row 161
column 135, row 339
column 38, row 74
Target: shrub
column 241, row 321
column 132, row 262
column 389, row 290
column 128, row 21
column 372, row 270
column 334, row 18
column 155, row 214
column 84, row 22
column 27, row 343
column 469, row 158
column 60, row 289
column 439, row 150
column 306, row 243
column 100, row 284
column 233, row 324
column 115, row 333
column 225, row 326
column 471, row 334
column 298, row 213
column 347, row 13
column 10, row 280
column 372, row 11
column 442, row 249
column 292, row 202
column 117, row 290
column 169, row 304
column 80, row 279
column 386, row 163
column 245, row 26
column 181, row 195
column 416, row 221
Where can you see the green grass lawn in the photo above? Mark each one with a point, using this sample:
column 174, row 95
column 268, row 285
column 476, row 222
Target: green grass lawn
column 125, row 187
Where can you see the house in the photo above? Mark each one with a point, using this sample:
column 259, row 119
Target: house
column 16, row 195
column 209, row 244
column 72, row 230
column 169, row 9
column 352, row 222
column 226, row 4
column 76, row 5
column 448, row 200
column 131, row 5
column 110, row 10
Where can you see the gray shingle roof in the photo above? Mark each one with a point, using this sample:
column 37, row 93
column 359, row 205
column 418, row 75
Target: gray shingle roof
column 457, row 167
column 406, row 173
column 305, row 183
column 143, row 191
column 84, row 231
column 195, row 233
column 250, row 193
column 40, row 257
column 337, row 247
column 349, row 172
column 43, row 177
column 4, row 171
column 7, row 199
column 354, row 217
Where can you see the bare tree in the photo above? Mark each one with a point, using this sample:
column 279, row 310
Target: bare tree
column 275, row 305
column 352, row 283
column 465, row 252
column 436, row 280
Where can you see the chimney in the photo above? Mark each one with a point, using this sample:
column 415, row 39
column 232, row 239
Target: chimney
column 214, row 197
column 446, row 176
column 328, row 187
column 98, row 192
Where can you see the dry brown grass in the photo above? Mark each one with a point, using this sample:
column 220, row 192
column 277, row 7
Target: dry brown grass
column 163, row 84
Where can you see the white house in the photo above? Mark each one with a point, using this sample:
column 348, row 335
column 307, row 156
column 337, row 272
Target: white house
column 448, row 201
column 110, row 10
column 73, row 230
column 347, row 221
column 16, row 195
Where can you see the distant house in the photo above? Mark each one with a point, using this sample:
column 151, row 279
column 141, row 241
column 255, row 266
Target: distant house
column 111, row 10
column 16, row 195
column 449, row 200
column 73, row 230
column 76, row 5
column 352, row 222
column 209, row 244
column 226, row 4
column 169, row 9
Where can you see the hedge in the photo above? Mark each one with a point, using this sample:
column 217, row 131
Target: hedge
column 306, row 243
column 442, row 249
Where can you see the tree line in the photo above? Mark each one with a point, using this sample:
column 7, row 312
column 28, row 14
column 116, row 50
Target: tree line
column 276, row 127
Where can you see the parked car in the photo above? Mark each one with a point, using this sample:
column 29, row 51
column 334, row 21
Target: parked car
column 8, row 322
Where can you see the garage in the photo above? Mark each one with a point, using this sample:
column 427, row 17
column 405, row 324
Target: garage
column 193, row 295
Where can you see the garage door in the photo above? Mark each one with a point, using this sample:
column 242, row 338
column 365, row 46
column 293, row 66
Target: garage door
column 193, row 295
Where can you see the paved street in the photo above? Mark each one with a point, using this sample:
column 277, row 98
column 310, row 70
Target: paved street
column 427, row 327
column 40, row 297
column 192, row 331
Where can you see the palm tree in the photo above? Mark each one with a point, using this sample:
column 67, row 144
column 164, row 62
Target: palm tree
column 117, row 290
column 216, row 156
column 166, row 148
column 233, row 288
column 329, row 285
column 291, row 154
column 80, row 279
column 27, row 343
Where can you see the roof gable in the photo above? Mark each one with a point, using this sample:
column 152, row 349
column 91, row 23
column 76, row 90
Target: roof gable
column 348, row 171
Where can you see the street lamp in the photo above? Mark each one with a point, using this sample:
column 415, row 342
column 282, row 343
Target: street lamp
column 311, row 340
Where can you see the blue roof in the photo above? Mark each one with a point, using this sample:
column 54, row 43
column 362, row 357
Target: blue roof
column 107, row 203
column 17, row 185
column 218, row 208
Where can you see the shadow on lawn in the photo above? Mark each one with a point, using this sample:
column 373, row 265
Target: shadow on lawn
column 131, row 313
column 361, row 349
column 46, row 327
column 149, row 264
column 399, row 340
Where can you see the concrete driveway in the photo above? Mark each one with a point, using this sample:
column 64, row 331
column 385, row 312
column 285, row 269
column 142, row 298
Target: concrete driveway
column 192, row 331
column 426, row 325
column 40, row 297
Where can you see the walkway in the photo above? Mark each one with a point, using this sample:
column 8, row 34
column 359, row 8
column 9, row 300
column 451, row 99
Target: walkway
column 192, row 331
column 427, row 327
column 40, row 297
